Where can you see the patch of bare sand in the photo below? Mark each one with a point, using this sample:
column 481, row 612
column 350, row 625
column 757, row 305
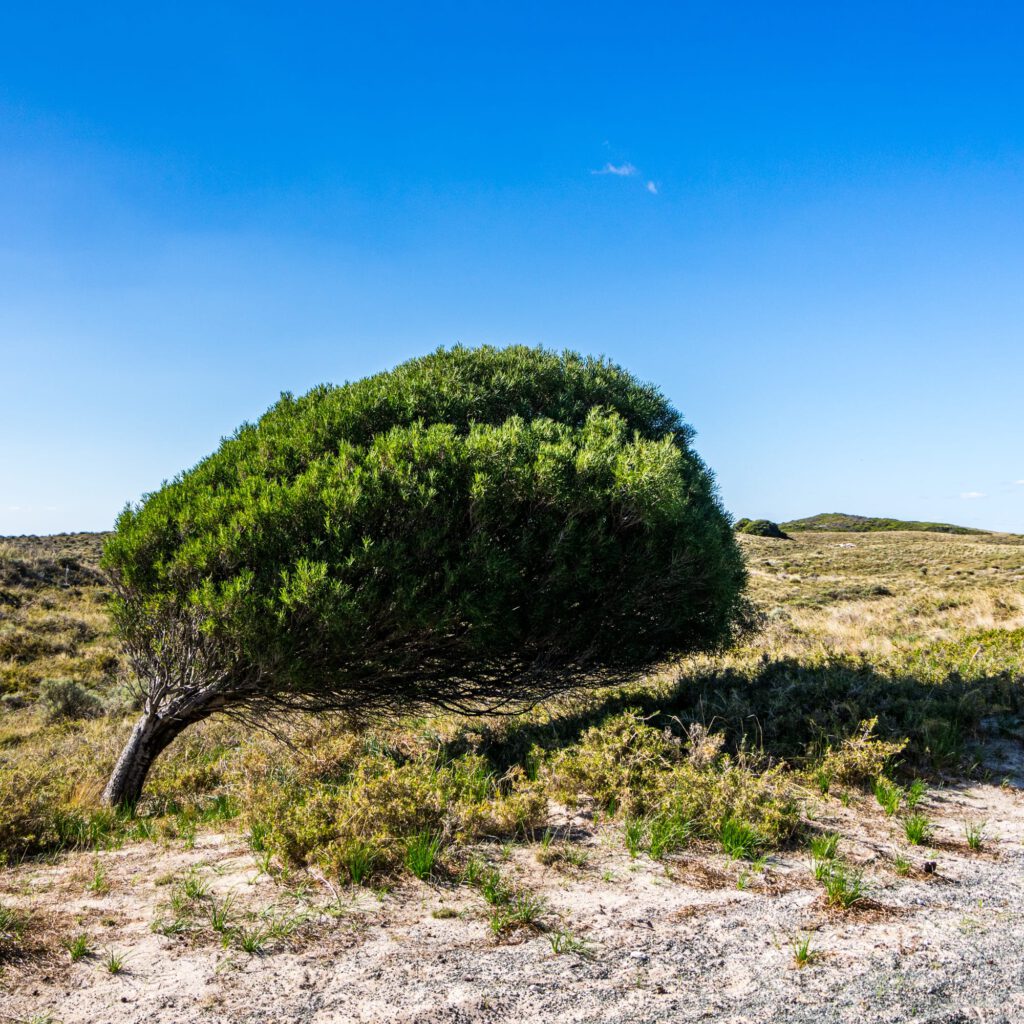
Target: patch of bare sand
column 696, row 937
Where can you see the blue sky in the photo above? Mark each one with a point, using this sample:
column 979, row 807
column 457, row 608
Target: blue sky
column 804, row 221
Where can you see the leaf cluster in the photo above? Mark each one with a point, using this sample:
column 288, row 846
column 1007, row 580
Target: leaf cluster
column 475, row 528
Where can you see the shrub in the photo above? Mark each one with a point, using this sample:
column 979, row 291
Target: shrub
column 374, row 812
column 63, row 700
column 760, row 528
column 475, row 529
column 861, row 757
column 635, row 768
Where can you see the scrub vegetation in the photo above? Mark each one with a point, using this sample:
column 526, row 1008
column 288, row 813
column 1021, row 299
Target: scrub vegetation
column 865, row 696
column 829, row 733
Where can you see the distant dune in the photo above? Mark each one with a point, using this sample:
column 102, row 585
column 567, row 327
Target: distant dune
column 844, row 523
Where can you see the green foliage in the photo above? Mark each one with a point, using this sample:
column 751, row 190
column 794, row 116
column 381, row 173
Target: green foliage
column 667, row 831
column 739, row 839
column 803, row 955
column 563, row 942
column 421, row 854
column 252, row 940
column 845, row 523
column 114, row 962
column 859, row 757
column 64, row 699
column 917, row 828
column 667, row 796
column 523, row 910
column 974, row 832
column 475, row 527
column 79, row 947
column 825, row 846
column 635, row 831
column 760, row 528
column 915, row 793
column 888, row 794
column 365, row 813
column 844, row 886
column 13, row 926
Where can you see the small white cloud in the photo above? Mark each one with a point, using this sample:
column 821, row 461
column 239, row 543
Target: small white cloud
column 971, row 495
column 619, row 170
column 1019, row 483
column 652, row 188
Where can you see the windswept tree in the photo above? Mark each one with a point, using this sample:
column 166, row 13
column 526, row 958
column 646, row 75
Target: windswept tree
column 475, row 530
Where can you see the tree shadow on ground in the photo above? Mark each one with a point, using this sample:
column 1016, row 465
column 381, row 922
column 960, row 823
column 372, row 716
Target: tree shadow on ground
column 781, row 709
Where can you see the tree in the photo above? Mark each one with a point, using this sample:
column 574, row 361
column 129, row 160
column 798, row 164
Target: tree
column 475, row 530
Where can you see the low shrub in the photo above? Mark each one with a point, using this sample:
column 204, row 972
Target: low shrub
column 859, row 758
column 65, row 700
column 760, row 528
column 631, row 767
column 375, row 813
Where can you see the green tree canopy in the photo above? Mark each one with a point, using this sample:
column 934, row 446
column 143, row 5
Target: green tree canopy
column 474, row 529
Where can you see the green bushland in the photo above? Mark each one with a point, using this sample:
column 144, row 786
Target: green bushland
column 842, row 522
column 938, row 664
column 351, row 802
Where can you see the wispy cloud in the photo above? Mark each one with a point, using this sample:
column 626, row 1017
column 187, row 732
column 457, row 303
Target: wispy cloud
column 619, row 170
column 652, row 188
column 971, row 495
column 1019, row 483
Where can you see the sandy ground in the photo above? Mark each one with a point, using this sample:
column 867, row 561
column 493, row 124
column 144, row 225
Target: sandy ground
column 676, row 940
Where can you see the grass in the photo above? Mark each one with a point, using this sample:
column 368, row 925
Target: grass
column 98, row 884
column 194, row 888
column 803, row 955
column 421, row 854
column 844, row 886
column 974, row 832
column 115, row 963
column 522, row 910
column 220, row 915
column 252, row 940
column 917, row 828
column 635, row 833
column 563, row 942
column 13, row 926
column 562, row 855
column 824, row 847
column 78, row 947
column 668, row 832
column 740, row 840
column 915, row 793
column 888, row 794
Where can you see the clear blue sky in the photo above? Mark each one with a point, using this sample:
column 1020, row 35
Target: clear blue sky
column 809, row 230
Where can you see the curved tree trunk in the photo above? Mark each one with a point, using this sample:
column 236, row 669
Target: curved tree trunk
column 149, row 737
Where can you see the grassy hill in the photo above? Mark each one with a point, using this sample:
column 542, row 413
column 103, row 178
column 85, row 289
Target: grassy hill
column 842, row 522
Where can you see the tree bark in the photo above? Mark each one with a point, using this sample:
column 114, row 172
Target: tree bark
column 149, row 737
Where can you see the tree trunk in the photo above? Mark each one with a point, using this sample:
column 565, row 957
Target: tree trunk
column 149, row 737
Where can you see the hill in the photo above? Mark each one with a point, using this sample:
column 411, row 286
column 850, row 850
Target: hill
column 842, row 522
